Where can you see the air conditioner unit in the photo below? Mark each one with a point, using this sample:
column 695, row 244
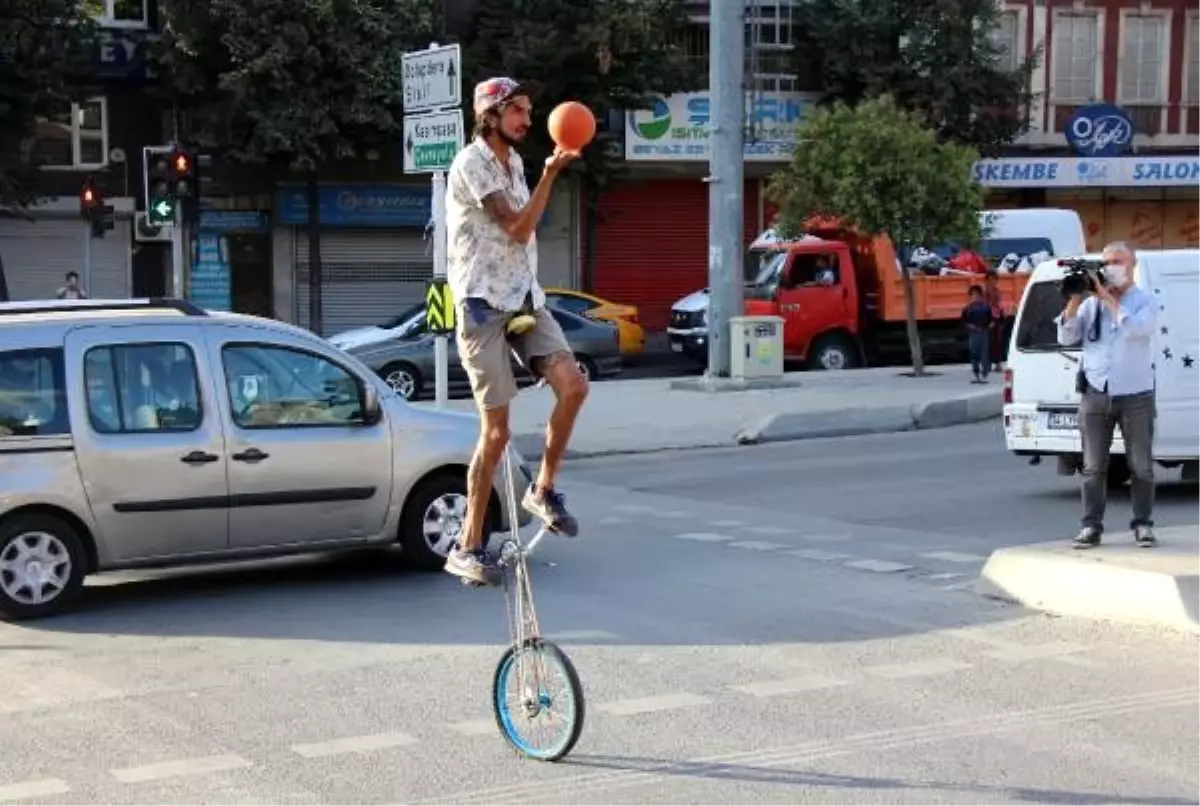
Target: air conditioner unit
column 146, row 232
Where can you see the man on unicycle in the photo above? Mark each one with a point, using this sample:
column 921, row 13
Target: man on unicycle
column 491, row 219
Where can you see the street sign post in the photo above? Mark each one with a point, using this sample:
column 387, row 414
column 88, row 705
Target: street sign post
column 431, row 141
column 432, row 84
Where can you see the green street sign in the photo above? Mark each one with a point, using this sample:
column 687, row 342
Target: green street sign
column 434, row 156
column 431, row 141
column 161, row 210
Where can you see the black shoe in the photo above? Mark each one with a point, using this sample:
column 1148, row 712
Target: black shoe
column 1143, row 536
column 475, row 568
column 1088, row 537
column 550, row 507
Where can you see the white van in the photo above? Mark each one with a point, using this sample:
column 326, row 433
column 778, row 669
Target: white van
column 1017, row 240
column 1040, row 402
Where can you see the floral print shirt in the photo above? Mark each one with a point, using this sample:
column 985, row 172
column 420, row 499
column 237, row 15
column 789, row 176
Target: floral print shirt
column 482, row 260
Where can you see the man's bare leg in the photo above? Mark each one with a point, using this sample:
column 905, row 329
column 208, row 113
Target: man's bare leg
column 570, row 390
column 493, row 439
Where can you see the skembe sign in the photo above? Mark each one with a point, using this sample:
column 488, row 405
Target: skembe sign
column 1062, row 172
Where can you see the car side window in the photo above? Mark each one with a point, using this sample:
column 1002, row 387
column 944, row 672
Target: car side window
column 33, row 399
column 139, row 388
column 271, row 386
column 575, row 305
column 567, row 323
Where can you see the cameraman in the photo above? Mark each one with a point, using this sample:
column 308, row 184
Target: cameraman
column 1116, row 324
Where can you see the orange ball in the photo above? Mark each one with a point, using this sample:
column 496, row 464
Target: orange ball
column 572, row 125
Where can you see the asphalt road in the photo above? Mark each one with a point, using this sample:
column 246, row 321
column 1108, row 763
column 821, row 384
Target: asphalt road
column 779, row 624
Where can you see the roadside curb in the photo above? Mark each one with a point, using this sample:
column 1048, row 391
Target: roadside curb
column 796, row 426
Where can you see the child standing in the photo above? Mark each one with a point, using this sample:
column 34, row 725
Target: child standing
column 979, row 318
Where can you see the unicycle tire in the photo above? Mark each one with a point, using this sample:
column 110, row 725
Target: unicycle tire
column 557, row 660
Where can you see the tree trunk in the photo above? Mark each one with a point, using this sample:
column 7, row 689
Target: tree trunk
column 315, row 319
column 910, row 323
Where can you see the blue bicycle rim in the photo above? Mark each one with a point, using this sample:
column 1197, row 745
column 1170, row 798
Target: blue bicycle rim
column 506, row 719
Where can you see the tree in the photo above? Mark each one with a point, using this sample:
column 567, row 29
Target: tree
column 291, row 84
column 881, row 171
column 47, row 54
column 610, row 55
column 939, row 58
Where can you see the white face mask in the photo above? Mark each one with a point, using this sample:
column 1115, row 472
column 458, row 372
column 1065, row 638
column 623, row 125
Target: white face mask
column 1116, row 275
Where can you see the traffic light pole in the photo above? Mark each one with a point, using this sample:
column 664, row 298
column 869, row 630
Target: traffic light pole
column 87, row 260
column 177, row 266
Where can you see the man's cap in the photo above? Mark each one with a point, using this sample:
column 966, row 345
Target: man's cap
column 494, row 91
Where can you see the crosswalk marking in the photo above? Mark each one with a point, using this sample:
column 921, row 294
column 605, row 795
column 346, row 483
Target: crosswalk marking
column 953, row 557
column 33, row 789
column 878, row 566
column 353, row 744
column 793, row 685
column 818, row 555
column 704, row 537
column 179, row 768
column 645, row 705
column 919, row 668
column 757, row 545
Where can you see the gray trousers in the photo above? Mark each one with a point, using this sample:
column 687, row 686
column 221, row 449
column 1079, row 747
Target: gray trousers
column 1099, row 413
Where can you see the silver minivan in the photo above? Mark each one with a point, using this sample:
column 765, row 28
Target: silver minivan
column 149, row 433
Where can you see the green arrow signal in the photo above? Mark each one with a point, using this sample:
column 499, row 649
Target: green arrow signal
column 163, row 208
column 162, row 211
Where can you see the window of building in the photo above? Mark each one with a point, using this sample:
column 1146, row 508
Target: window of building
column 76, row 138
column 1142, row 53
column 1075, row 52
column 140, row 388
column 33, row 399
column 1192, row 68
column 278, row 387
column 124, row 13
column 1005, row 39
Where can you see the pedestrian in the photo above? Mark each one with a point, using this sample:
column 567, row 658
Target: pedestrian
column 993, row 297
column 491, row 218
column 71, row 288
column 1116, row 324
column 978, row 318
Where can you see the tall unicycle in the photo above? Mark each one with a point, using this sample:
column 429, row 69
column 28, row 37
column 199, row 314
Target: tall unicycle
column 536, row 692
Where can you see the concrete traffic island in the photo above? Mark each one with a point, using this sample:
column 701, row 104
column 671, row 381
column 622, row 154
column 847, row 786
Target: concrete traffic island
column 1116, row 581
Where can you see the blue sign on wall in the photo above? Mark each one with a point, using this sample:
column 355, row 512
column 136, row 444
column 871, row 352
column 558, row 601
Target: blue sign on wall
column 209, row 280
column 358, row 206
column 1100, row 130
column 233, row 221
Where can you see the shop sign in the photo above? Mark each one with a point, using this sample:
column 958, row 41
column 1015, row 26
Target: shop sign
column 676, row 128
column 357, row 205
column 1100, row 130
column 1064, row 172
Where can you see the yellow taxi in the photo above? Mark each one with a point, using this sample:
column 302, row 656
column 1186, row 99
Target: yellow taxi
column 624, row 317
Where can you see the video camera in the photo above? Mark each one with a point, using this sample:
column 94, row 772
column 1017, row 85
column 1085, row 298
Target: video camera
column 1075, row 278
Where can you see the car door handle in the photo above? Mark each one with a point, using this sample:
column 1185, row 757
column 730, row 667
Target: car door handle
column 250, row 455
column 199, row 458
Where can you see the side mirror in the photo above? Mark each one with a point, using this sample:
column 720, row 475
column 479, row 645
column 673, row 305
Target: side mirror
column 372, row 411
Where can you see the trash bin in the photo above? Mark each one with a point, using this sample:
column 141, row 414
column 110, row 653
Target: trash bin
column 756, row 346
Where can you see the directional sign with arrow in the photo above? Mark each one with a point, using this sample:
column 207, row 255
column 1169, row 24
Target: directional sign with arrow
column 431, row 79
column 431, row 141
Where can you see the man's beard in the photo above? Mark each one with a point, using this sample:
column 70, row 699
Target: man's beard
column 507, row 138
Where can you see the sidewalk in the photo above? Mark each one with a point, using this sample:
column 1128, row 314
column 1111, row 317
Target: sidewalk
column 640, row 416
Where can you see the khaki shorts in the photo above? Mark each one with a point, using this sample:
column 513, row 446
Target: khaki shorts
column 486, row 353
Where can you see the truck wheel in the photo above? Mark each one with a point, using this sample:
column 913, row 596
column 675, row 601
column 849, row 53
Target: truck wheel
column 833, row 352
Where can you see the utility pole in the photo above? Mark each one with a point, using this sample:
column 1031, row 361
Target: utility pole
column 725, row 179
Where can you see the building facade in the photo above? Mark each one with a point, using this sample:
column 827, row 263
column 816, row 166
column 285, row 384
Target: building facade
column 1115, row 132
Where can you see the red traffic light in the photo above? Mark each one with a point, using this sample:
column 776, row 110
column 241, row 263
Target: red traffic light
column 182, row 163
column 89, row 196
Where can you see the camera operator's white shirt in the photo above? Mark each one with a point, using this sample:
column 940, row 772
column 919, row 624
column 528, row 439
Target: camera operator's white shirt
column 1122, row 356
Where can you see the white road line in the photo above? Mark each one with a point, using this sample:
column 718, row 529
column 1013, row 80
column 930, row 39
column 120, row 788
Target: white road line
column 353, row 744
column 818, row 555
column 794, row 685
column 919, row 668
column 757, row 545
column 878, row 566
column 636, row 509
column 646, row 705
column 475, row 727
column 954, row 557
column 726, row 524
column 33, row 789
column 611, row 519
column 582, row 635
column 179, row 768
column 769, row 530
column 672, row 513
column 821, row 538
column 703, row 537
column 944, row 577
column 1036, row 651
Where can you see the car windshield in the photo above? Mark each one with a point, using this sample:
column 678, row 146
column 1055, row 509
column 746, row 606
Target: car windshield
column 1037, row 331
column 763, row 266
column 405, row 320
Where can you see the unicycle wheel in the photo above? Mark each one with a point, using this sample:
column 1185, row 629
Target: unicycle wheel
column 538, row 700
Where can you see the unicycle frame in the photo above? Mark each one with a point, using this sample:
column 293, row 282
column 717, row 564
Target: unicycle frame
column 522, row 615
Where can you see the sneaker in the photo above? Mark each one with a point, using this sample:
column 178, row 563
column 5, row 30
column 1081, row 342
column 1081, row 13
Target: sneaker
column 472, row 566
column 1088, row 537
column 549, row 505
column 1143, row 535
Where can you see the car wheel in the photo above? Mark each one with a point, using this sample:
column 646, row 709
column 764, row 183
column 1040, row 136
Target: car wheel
column 833, row 352
column 587, row 367
column 404, row 379
column 42, row 565
column 434, row 518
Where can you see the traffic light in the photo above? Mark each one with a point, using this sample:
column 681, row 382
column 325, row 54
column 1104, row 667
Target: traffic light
column 91, row 200
column 185, row 184
column 160, row 200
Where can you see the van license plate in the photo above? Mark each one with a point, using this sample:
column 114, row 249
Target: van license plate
column 1062, row 421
